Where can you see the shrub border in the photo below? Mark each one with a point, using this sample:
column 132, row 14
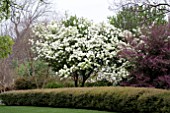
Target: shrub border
column 116, row 99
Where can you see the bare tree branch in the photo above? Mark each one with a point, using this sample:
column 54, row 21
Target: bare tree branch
column 161, row 4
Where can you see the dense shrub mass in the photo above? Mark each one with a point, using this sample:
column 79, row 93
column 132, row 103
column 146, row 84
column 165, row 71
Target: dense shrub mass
column 124, row 100
column 103, row 82
column 150, row 56
column 24, row 83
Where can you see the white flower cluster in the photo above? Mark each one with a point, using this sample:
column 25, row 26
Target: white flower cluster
column 113, row 74
column 73, row 50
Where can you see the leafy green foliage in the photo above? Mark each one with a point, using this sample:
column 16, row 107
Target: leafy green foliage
column 38, row 71
column 24, row 83
column 54, row 85
column 8, row 8
column 5, row 46
column 124, row 100
column 5, row 9
column 38, row 67
column 102, row 82
column 134, row 17
column 80, row 23
column 59, row 84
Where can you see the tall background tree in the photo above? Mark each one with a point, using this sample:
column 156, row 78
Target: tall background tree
column 158, row 4
column 5, row 46
column 17, row 20
column 8, row 8
column 134, row 17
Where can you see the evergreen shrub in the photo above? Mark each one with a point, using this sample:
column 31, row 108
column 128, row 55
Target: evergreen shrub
column 116, row 99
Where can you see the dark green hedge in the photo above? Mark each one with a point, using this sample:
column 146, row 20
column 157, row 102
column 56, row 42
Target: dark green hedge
column 118, row 99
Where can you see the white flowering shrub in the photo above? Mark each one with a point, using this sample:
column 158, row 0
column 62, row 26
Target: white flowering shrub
column 78, row 48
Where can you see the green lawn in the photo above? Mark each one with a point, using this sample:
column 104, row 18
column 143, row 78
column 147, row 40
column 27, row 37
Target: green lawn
column 23, row 109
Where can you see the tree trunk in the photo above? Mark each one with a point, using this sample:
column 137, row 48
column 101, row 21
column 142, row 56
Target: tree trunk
column 85, row 76
column 83, row 81
column 46, row 77
column 76, row 80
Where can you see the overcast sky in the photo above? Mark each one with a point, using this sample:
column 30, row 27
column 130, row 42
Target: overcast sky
column 96, row 10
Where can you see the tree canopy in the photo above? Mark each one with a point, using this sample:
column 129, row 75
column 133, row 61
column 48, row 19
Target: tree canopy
column 5, row 46
column 133, row 17
column 5, row 41
column 150, row 56
column 77, row 48
column 162, row 5
column 5, row 9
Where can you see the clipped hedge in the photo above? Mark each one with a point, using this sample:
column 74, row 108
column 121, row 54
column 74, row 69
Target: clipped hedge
column 117, row 99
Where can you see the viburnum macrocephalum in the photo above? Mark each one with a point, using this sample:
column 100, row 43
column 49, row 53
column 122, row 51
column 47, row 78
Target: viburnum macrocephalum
column 78, row 48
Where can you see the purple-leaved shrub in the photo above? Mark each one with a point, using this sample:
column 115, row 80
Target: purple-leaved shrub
column 150, row 58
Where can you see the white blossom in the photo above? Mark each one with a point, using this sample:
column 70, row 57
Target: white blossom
column 94, row 48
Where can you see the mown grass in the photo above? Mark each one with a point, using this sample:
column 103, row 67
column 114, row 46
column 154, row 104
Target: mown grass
column 24, row 109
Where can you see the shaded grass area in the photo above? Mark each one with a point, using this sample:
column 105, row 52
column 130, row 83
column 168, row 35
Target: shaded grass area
column 24, row 109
